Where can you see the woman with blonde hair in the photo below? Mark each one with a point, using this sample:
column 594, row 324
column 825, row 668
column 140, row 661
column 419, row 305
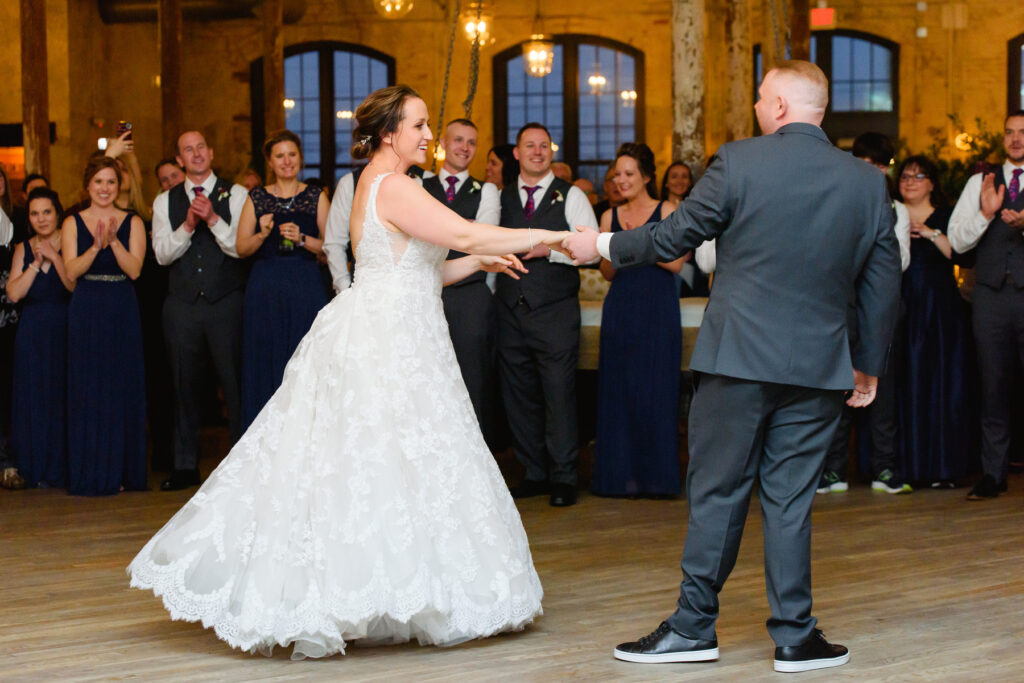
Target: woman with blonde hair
column 363, row 503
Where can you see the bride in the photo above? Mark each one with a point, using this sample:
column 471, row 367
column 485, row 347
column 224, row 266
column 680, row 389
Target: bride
column 362, row 503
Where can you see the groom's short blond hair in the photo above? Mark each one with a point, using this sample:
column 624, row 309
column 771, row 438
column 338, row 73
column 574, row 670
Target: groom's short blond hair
column 810, row 81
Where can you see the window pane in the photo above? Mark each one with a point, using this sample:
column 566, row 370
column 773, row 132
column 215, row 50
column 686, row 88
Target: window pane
column 841, row 97
column 606, row 119
column 881, row 97
column 355, row 77
column 841, row 56
column 814, row 49
column 880, row 63
column 861, row 59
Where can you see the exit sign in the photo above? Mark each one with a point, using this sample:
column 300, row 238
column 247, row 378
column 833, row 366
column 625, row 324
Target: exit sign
column 823, row 18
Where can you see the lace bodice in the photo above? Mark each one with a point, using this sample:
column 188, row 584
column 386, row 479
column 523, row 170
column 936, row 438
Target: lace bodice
column 394, row 259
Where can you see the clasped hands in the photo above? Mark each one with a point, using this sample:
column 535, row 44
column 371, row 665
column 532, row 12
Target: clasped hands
column 580, row 246
column 992, row 201
column 201, row 209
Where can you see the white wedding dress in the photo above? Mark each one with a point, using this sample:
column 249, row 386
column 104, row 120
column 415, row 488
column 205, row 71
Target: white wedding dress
column 362, row 503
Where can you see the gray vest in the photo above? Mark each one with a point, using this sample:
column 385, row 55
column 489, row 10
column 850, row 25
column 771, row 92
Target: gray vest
column 203, row 270
column 1001, row 249
column 466, row 204
column 546, row 282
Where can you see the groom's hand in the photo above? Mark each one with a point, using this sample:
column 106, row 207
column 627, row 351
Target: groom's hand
column 581, row 245
column 864, row 388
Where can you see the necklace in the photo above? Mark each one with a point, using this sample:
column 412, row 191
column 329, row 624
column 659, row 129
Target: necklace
column 280, row 200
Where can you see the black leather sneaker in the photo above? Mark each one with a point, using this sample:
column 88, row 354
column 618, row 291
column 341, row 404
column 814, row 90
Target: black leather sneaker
column 813, row 653
column 667, row 645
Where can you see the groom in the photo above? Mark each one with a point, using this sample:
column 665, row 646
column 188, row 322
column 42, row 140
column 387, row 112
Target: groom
column 803, row 228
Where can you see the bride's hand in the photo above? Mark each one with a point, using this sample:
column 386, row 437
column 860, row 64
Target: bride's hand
column 552, row 239
column 508, row 264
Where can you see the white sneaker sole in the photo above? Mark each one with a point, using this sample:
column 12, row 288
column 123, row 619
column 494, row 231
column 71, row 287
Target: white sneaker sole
column 668, row 657
column 810, row 664
column 839, row 487
column 884, row 488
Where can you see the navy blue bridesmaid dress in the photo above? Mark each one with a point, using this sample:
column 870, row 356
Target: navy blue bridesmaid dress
column 637, row 449
column 39, row 412
column 282, row 298
column 938, row 419
column 106, row 386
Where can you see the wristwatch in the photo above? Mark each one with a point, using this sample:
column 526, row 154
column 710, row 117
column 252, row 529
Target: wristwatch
column 935, row 235
column 302, row 242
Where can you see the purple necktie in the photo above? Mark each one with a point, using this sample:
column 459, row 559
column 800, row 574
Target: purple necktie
column 530, row 207
column 450, row 192
column 198, row 189
column 1015, row 184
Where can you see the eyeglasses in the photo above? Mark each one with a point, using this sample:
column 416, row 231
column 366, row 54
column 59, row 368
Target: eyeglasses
column 907, row 177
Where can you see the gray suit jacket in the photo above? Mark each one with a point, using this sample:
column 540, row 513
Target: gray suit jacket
column 803, row 229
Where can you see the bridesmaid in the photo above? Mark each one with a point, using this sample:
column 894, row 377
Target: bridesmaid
column 939, row 425
column 104, row 248
column 39, row 281
column 637, row 450
column 283, row 225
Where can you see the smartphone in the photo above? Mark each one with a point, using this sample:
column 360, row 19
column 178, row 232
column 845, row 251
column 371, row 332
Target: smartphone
column 123, row 126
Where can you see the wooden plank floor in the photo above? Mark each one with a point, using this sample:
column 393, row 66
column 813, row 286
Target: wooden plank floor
column 920, row 587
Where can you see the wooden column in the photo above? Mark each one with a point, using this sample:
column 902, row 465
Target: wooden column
column 688, row 82
column 800, row 29
column 273, row 65
column 35, row 94
column 771, row 19
column 739, row 109
column 169, row 24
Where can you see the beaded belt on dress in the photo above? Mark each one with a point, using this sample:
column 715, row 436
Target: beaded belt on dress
column 105, row 278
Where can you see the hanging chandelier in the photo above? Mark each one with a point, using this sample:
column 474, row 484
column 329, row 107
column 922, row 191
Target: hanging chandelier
column 392, row 9
column 597, row 81
column 477, row 21
column 538, row 51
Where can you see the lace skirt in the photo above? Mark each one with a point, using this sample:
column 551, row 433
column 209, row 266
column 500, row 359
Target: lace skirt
column 362, row 503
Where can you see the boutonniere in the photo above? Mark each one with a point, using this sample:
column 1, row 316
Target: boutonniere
column 476, row 187
column 558, row 197
column 224, row 194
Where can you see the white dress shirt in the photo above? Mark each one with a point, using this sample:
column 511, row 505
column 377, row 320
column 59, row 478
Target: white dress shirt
column 578, row 210
column 968, row 224
column 707, row 257
column 170, row 242
column 6, row 229
column 336, row 232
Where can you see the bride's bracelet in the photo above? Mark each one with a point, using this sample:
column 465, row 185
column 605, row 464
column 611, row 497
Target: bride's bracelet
column 530, row 232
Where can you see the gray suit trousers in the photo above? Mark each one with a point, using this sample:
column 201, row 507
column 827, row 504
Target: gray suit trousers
column 742, row 432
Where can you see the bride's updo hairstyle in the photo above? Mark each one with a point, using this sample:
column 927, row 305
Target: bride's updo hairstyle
column 378, row 115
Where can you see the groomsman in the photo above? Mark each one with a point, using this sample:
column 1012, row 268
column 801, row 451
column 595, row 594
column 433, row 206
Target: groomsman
column 469, row 304
column 990, row 216
column 539, row 324
column 195, row 225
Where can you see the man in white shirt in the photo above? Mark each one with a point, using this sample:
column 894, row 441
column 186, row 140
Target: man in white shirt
column 539, row 325
column 469, row 303
column 989, row 217
column 195, row 225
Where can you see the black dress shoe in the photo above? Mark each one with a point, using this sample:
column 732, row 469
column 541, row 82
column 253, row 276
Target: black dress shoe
column 563, row 495
column 529, row 488
column 985, row 489
column 813, row 653
column 180, row 479
column 667, row 645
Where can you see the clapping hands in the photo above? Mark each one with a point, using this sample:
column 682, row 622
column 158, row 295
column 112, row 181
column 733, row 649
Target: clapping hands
column 104, row 233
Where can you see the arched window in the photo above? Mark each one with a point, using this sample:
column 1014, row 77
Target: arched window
column 592, row 101
column 863, row 74
column 324, row 82
column 1015, row 73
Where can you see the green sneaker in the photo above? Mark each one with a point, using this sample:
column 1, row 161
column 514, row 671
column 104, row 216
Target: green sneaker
column 831, row 482
column 888, row 482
